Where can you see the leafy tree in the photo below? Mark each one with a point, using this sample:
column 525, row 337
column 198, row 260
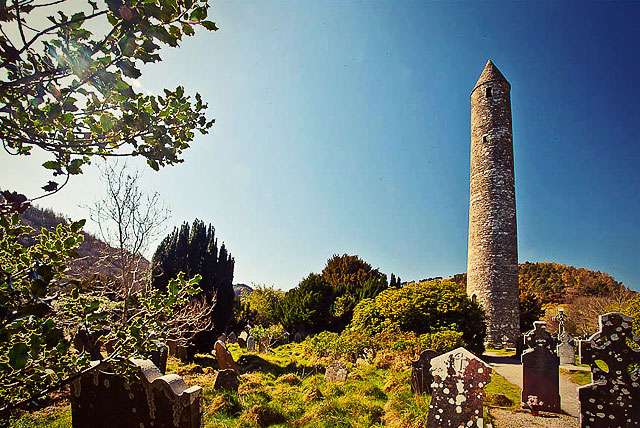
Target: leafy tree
column 348, row 270
column 66, row 88
column 262, row 306
column 42, row 312
column 351, row 279
column 307, row 307
column 194, row 250
column 530, row 311
column 423, row 307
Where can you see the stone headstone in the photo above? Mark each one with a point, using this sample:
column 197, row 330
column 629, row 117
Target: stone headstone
column 102, row 399
column 421, row 378
column 251, row 344
column 243, row 335
column 297, row 337
column 224, row 357
column 336, row 372
column 159, row 357
column 613, row 397
column 227, row 380
column 457, row 391
column 540, row 369
column 565, row 350
column 232, row 338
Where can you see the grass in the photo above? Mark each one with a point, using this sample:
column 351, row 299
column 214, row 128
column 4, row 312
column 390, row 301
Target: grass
column 501, row 352
column 284, row 389
column 500, row 387
column 579, row 377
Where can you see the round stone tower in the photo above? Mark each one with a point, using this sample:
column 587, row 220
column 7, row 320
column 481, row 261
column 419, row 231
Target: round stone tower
column 492, row 263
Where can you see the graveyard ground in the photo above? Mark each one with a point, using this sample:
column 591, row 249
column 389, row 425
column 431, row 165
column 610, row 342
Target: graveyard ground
column 287, row 388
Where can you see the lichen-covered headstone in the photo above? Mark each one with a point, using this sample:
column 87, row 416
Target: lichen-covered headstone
column 336, row 372
column 251, row 344
column 613, row 398
column 421, row 378
column 541, row 369
column 224, row 357
column 457, row 391
column 102, row 399
column 227, row 380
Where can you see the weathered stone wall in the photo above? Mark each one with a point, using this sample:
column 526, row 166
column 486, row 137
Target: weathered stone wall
column 492, row 264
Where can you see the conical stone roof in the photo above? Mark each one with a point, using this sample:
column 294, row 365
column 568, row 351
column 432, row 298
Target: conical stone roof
column 490, row 73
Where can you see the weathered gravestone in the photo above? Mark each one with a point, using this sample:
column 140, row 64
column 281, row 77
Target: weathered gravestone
column 457, row 391
column 226, row 380
column 223, row 356
column 297, row 337
column 613, row 397
column 232, row 338
column 251, row 344
column 421, row 378
column 336, row 372
column 541, row 369
column 102, row 399
column 565, row 349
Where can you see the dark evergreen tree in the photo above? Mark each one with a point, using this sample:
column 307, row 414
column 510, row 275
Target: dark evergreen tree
column 193, row 249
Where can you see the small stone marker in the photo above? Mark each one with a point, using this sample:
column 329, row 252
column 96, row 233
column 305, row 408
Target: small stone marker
column 613, row 397
column 232, row 338
column 566, row 351
column 336, row 372
column 101, row 399
column 457, row 394
column 223, row 356
column 421, row 378
column 227, row 380
column 541, row 369
column 251, row 344
column 297, row 337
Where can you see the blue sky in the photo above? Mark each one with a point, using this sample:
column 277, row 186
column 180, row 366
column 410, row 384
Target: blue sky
column 344, row 127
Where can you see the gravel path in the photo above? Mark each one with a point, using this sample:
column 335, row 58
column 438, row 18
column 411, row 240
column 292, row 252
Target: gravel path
column 511, row 369
column 510, row 419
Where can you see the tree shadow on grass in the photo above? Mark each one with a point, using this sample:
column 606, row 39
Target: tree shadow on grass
column 254, row 363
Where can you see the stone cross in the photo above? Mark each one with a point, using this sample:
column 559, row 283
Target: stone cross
column 103, row 399
column 421, row 378
column 223, row 356
column 561, row 318
column 540, row 369
column 457, row 391
column 613, row 397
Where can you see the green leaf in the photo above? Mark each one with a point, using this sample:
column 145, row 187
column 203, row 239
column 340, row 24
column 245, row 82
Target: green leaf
column 209, row 25
column 51, row 165
column 153, row 164
column 77, row 225
column 198, row 14
column 19, row 355
column 106, row 121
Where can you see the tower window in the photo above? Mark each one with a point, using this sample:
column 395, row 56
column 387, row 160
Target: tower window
column 474, row 299
column 485, row 138
column 489, row 92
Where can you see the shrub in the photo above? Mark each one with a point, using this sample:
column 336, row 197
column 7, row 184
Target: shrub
column 441, row 341
column 423, row 307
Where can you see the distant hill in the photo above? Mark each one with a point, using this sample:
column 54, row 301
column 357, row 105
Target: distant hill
column 240, row 289
column 91, row 253
column 558, row 283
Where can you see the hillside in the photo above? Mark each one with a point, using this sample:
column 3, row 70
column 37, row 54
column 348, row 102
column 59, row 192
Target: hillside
column 558, row 283
column 93, row 254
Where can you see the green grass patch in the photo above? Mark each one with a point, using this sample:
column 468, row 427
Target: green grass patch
column 51, row 417
column 502, row 393
column 579, row 377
